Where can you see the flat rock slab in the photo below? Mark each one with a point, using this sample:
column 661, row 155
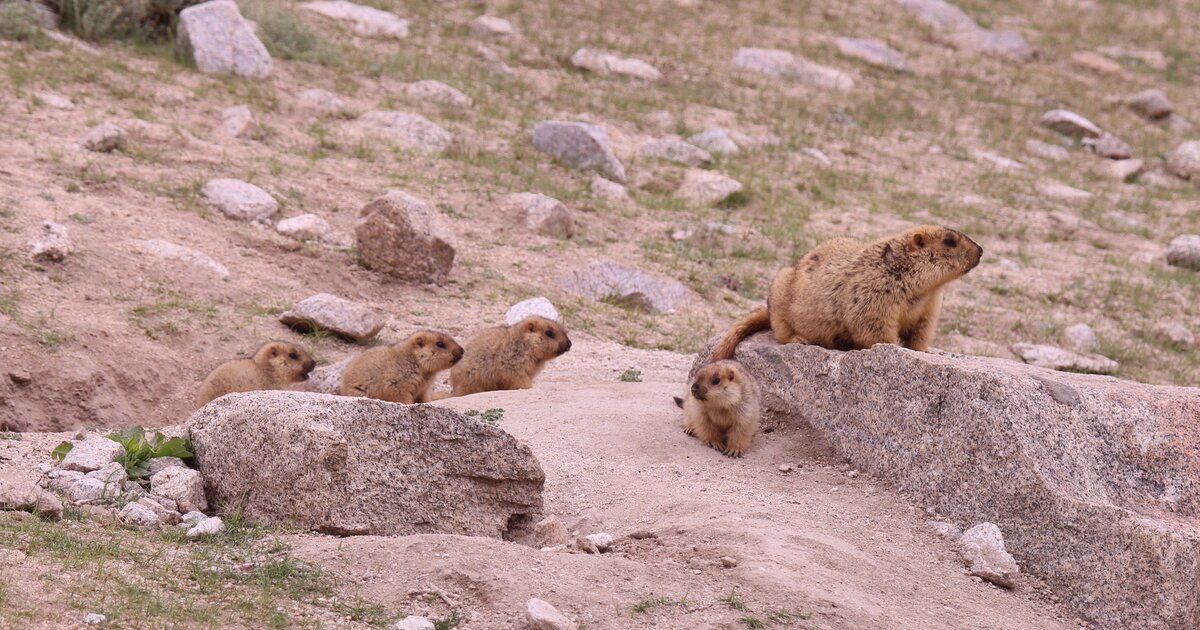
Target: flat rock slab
column 603, row 63
column 1094, row 481
column 220, row 41
column 240, row 200
column 411, row 132
column 167, row 250
column 1069, row 123
column 781, row 63
column 330, row 312
column 355, row 466
column 579, row 145
column 872, row 51
column 626, row 286
column 367, row 21
column 1056, row 358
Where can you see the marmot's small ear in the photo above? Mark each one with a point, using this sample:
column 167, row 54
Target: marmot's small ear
column 274, row 351
column 918, row 241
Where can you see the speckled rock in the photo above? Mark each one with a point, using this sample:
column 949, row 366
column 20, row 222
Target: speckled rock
column 410, row 132
column 304, row 227
column 626, row 286
column 872, row 51
column 1109, row 146
column 1047, row 150
column 22, row 495
column 715, row 140
column 540, row 615
column 609, row 191
column 166, row 250
column 1010, row 44
column 220, row 41
column 366, row 21
column 707, row 188
column 982, row 547
column 551, row 532
column 322, row 99
column 365, row 466
column 939, row 15
column 675, row 149
column 603, row 63
column 1056, row 358
column 1069, row 124
column 491, row 26
column 400, row 235
column 325, row 311
column 52, row 244
column 1184, row 251
column 104, row 138
column 239, row 121
column 207, row 527
column 184, row 486
column 413, row 622
column 781, row 63
column 1184, row 161
column 138, row 515
column 1176, row 334
column 1123, row 170
column 1081, row 337
column 239, row 200
column 1151, row 104
column 1092, row 479
column 579, row 145
column 91, row 453
column 430, row 91
column 542, row 214
column 539, row 306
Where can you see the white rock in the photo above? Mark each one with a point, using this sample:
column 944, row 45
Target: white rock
column 997, row 160
column 239, row 121
column 606, row 280
column 817, row 155
column 192, row 519
column 413, row 622
column 982, row 547
column 1123, row 170
column 24, row 495
column 94, row 619
column 1184, row 251
column 675, row 149
column 304, row 227
column 1069, row 123
column 184, row 486
column 411, row 132
column 1063, row 192
column 543, row 215
column 1176, row 333
column 1009, row 44
column 62, row 480
column 111, row 473
column 332, row 313
column 603, row 64
column 86, row 490
column 603, row 540
column 542, row 616
column 946, row 530
column 1046, row 150
column 322, row 100
column 1081, row 338
column 162, row 513
column 57, row 101
column 1061, row 359
column 609, row 191
column 538, row 306
column 220, row 41
column 171, row 251
column 872, row 51
column 208, row 527
column 579, row 145
column 940, row 15
column 715, row 140
column 91, row 453
column 368, row 21
column 104, row 138
column 138, row 515
column 706, row 188
column 1184, row 161
column 1109, row 146
column 1151, row 104
column 491, row 26
column 781, row 63
column 53, row 245
column 239, row 200
column 436, row 92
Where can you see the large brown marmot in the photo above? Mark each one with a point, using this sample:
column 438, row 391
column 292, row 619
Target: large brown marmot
column 850, row 295
column 508, row 357
column 274, row 366
column 722, row 409
column 401, row 372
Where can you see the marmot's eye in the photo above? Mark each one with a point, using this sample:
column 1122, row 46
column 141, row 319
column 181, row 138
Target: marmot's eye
column 950, row 242
column 550, row 334
column 293, row 356
column 441, row 344
column 716, row 380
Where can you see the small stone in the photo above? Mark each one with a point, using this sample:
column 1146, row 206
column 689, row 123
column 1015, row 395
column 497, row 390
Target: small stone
column 1184, row 161
column 1184, row 251
column 94, row 619
column 1152, row 58
column 609, row 191
column 239, row 122
column 53, row 245
column 1176, row 334
column 982, row 547
column 413, row 622
column 304, row 227
column 367, row 21
column 1123, row 170
column 1063, row 192
column 172, row 251
column 729, row 562
column 191, row 519
column 660, row 120
column 997, row 160
column 675, row 149
column 1095, row 62
column 208, row 527
column 604, row 64
column 1070, row 124
column 86, row 490
column 1047, row 150
column 91, row 453
column 182, row 485
column 1151, row 104
column 325, row 311
column 62, row 480
column 20, row 377
column 57, row 101
column 1109, row 146
column 817, row 155
column 410, row 132
column 781, row 63
column 1081, row 338
column 603, row 541
column 628, row 286
column 543, row 215
column 538, row 306
column 942, row 16
column 26, row 496
column 1010, row 44
column 491, row 26
column 872, row 51
column 786, row 468
column 853, row 474
column 707, row 188
column 436, row 92
column 551, row 532
column 1061, row 359
column 220, row 41
column 579, row 145
column 239, row 200
column 400, row 235
column 104, row 138
column 715, row 140
column 138, row 515
column 642, row 534
column 322, row 100
column 946, row 530
column 542, row 616
column 111, row 473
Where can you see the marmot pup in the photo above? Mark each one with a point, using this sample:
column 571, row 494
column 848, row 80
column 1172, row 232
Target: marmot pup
column 723, row 407
column 850, row 295
column 508, row 357
column 273, row 366
column 401, row 372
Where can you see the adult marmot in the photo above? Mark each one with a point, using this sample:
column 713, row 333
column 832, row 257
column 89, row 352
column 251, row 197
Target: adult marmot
column 401, row 372
column 273, row 366
column 508, row 357
column 722, row 409
column 849, row 295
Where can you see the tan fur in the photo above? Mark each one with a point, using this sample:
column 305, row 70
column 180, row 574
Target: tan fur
column 850, row 295
column 274, row 366
column 508, row 357
column 401, row 372
column 722, row 409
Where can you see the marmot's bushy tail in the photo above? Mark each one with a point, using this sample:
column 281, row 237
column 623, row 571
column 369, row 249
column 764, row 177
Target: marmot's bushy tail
column 746, row 326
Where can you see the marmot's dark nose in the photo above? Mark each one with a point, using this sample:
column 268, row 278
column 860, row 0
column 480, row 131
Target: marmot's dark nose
column 458, row 355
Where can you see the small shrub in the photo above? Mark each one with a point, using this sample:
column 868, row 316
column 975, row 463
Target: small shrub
column 142, row 20
column 449, row 622
column 631, row 376
column 491, row 416
column 286, row 36
column 734, row 601
column 19, row 22
column 754, row 622
column 139, row 449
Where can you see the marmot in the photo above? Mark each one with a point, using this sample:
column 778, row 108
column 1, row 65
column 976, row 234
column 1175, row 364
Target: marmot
column 850, row 295
column 508, row 357
column 723, row 407
column 401, row 372
column 273, row 366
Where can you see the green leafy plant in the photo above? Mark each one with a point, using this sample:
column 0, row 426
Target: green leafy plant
column 144, row 20
column 139, row 449
column 491, row 416
column 631, row 376
column 61, row 451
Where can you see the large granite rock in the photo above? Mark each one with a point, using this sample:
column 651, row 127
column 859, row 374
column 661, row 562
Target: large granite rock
column 400, row 235
column 355, row 466
column 1094, row 481
column 220, row 41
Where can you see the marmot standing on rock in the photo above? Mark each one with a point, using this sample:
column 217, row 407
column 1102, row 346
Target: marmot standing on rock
column 722, row 409
column 401, row 372
column 508, row 357
column 849, row 295
column 273, row 366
